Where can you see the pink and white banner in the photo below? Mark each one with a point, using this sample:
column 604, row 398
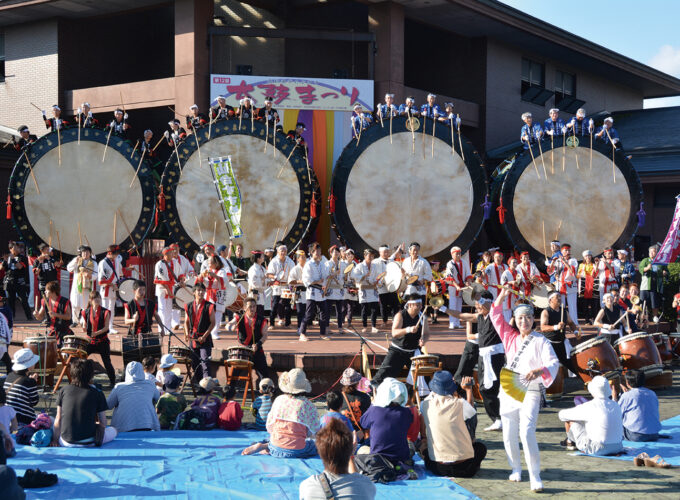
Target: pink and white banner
column 670, row 249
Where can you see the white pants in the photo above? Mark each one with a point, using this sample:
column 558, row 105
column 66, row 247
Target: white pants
column 455, row 304
column 175, row 317
column 164, row 312
column 520, row 424
column 215, row 333
column 110, row 304
column 110, row 434
column 572, row 305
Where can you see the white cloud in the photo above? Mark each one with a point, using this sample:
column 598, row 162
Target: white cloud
column 667, row 59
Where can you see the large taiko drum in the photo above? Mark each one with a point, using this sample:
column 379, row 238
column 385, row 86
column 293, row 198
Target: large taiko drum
column 638, row 351
column 277, row 189
column 574, row 201
column 46, row 349
column 81, row 196
column 594, row 357
column 385, row 192
column 663, row 344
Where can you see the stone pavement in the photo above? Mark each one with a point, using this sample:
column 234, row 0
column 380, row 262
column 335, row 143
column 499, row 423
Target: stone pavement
column 567, row 476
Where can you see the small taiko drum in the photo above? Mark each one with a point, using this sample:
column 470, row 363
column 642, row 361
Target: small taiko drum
column 595, row 357
column 46, row 349
column 75, row 346
column 181, row 354
column 475, row 387
column 438, row 287
column 638, row 351
column 674, row 338
column 239, row 353
column 286, row 293
column 663, row 344
column 556, row 389
column 425, row 361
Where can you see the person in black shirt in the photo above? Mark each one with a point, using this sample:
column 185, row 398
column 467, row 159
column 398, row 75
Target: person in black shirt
column 46, row 268
column 16, row 279
column 408, row 334
column 25, row 140
column 81, row 410
column 200, row 321
column 554, row 321
column 57, row 310
column 140, row 311
column 95, row 323
column 240, row 261
column 252, row 331
column 491, row 356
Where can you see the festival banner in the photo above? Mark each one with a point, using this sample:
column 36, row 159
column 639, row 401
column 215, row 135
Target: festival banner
column 228, row 193
column 327, row 94
column 670, row 249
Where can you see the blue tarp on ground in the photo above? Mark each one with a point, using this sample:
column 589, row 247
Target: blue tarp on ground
column 193, row 464
column 668, row 449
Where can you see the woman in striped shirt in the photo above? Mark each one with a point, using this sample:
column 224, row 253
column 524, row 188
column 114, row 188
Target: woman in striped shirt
column 22, row 388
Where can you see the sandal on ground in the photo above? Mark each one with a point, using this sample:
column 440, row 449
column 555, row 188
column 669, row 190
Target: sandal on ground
column 657, row 461
column 640, row 459
column 37, row 479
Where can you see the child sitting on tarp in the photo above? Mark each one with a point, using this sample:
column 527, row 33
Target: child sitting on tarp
column 171, row 403
column 230, row 413
column 263, row 403
column 333, row 404
column 207, row 401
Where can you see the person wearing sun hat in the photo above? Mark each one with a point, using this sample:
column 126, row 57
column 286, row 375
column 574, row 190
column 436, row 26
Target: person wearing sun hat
column 446, row 445
column 355, row 403
column 22, row 389
column 168, row 361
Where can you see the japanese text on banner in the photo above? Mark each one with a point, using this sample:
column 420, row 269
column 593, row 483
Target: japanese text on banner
column 228, row 193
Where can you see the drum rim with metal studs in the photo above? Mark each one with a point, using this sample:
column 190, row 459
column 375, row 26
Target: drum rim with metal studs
column 393, row 279
column 342, row 223
column 21, row 177
column 122, row 293
column 308, row 184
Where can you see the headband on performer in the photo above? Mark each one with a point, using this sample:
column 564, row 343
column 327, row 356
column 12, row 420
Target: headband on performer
column 357, row 106
column 483, row 301
column 553, row 294
column 255, row 252
column 554, row 110
column 23, row 128
column 448, row 105
column 349, row 250
column 174, row 246
column 414, row 244
column 118, row 112
column 432, row 95
column 607, row 295
column 389, row 95
column 624, row 252
column 332, row 248
column 526, row 115
column 524, row 253
column 193, row 106
column 383, row 247
column 587, row 252
column 167, row 250
column 555, row 242
column 414, row 301
column 581, row 112
column 456, row 249
column 410, row 99
column 56, row 107
column 281, row 246
column 609, row 119
column 566, row 245
column 208, row 245
column 269, row 250
column 221, row 98
column 608, row 249
column 498, row 252
column 148, row 130
column 86, row 104
column 300, row 125
column 244, row 100
column 523, row 310
column 300, row 252
column 174, row 122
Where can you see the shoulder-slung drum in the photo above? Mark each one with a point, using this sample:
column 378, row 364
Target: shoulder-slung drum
column 81, row 196
column 387, row 192
column 276, row 188
column 597, row 207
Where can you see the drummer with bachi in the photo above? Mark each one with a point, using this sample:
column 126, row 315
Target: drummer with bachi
column 360, row 120
column 119, row 125
column 414, row 265
column 564, row 267
column 409, row 108
column 366, row 274
column 458, row 270
column 221, row 111
column 85, row 272
column 315, row 276
column 578, row 125
column 431, row 109
column 54, row 123
column 387, row 110
column 529, row 272
column 25, row 140
column 351, row 292
column 257, row 279
column 511, row 279
column 278, row 271
column 389, row 302
column 531, row 132
column 84, row 118
column 298, row 287
column 252, row 332
column 554, row 124
column 493, row 273
column 335, row 290
column 554, row 322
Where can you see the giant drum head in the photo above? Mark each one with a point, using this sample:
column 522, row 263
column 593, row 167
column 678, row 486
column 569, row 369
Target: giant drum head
column 276, row 188
column 387, row 193
column 81, row 196
column 596, row 206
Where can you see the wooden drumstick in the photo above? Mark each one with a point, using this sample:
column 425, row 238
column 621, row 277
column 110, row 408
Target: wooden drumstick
column 50, row 242
column 214, row 231
column 552, row 154
column 564, row 149
column 138, row 167
column 30, row 168
column 80, row 236
column 381, row 117
column 179, row 163
column 87, row 241
column 557, row 234
column 453, row 141
column 198, row 145
column 413, row 133
column 288, row 158
column 354, row 128
column 134, row 149
column 533, row 161
column 434, row 124
column 134, row 245
column 309, row 171
column 115, row 220
column 158, row 143
column 108, row 138
column 540, row 151
column 79, row 128
column 58, row 125
column 240, row 115
column 545, row 248
column 252, row 118
column 266, row 131
column 277, row 237
column 423, row 134
column 391, row 114
column 210, row 120
column 59, row 243
column 460, row 140
column 613, row 153
column 591, row 150
column 199, row 228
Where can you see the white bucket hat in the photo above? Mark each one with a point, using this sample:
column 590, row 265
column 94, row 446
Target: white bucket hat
column 294, row 382
column 24, row 359
column 599, row 387
column 391, row 391
column 167, row 360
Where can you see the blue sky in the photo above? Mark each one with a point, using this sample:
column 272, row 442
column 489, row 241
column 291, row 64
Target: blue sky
column 644, row 30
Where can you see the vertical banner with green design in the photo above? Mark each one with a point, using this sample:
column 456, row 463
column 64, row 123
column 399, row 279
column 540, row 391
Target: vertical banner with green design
column 228, row 193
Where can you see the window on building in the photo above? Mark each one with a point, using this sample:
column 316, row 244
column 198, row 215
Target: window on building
column 533, row 82
column 565, row 88
column 2, row 57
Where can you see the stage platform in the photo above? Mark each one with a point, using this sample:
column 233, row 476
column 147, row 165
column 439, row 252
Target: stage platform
column 322, row 360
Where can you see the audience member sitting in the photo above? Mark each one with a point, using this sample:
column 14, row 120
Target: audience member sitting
column 230, row 413
column 334, row 443
column 594, row 427
column 8, row 415
column 133, row 402
column 333, row 404
column 171, row 403
column 414, row 429
column 149, row 364
column 168, row 361
column 639, row 408
column 207, row 401
column 388, row 421
column 7, row 449
column 21, row 388
column 263, row 403
column 292, row 420
column 447, row 446
column 81, row 410
column 354, row 402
